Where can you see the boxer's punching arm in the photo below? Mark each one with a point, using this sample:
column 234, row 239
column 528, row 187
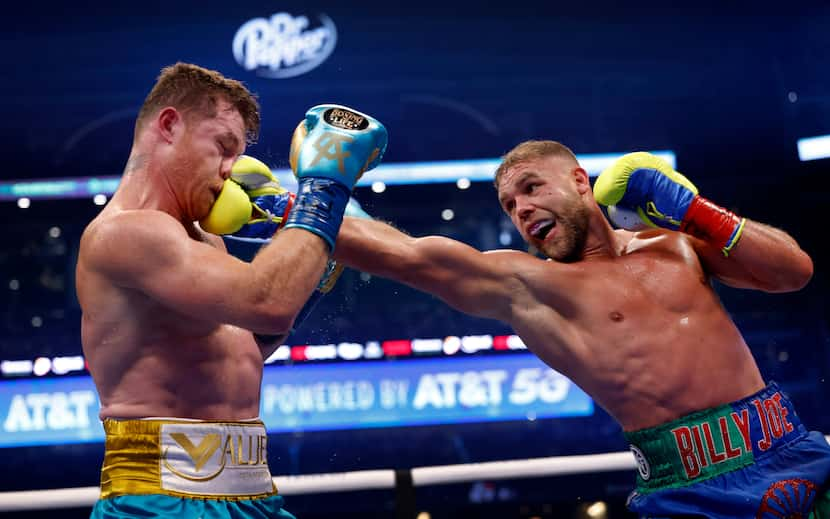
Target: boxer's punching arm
column 478, row 283
column 765, row 259
column 150, row 252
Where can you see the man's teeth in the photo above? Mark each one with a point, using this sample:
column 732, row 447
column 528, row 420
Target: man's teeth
column 542, row 228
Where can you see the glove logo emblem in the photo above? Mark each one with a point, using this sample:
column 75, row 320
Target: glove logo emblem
column 329, row 146
column 345, row 119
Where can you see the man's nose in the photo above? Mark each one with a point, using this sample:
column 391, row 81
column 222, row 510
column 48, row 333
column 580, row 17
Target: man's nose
column 523, row 209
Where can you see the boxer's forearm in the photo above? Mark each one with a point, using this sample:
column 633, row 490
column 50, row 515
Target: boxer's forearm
column 431, row 264
column 465, row 278
column 772, row 257
column 286, row 272
column 374, row 247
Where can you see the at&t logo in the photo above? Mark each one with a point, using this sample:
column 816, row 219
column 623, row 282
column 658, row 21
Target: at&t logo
column 284, row 45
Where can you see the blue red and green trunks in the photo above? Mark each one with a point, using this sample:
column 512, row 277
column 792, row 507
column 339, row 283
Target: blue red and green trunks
column 752, row 458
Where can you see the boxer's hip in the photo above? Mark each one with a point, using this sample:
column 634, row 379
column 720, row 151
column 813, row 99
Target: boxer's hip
column 714, row 441
column 186, row 458
column 749, row 458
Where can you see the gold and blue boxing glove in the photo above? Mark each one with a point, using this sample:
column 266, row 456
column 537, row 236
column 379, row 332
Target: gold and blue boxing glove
column 330, row 149
column 250, row 209
column 251, row 204
column 661, row 197
column 265, row 205
column 270, row 202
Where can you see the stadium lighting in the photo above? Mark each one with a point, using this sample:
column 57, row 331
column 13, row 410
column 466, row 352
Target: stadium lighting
column 813, row 148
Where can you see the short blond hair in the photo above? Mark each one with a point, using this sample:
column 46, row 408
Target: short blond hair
column 529, row 150
column 194, row 89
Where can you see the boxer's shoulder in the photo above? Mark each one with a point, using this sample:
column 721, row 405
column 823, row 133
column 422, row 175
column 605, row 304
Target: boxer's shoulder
column 658, row 241
column 117, row 239
column 131, row 225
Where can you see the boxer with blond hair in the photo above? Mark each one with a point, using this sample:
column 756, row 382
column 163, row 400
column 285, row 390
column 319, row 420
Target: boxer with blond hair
column 631, row 317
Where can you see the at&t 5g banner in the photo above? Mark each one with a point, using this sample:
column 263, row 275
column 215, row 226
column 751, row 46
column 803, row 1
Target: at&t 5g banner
column 327, row 397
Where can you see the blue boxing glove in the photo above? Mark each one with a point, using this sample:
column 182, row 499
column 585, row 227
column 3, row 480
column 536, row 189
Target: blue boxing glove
column 251, row 204
column 330, row 149
column 661, row 197
column 646, row 184
column 270, row 202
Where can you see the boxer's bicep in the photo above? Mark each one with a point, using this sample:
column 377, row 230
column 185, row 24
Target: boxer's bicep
column 157, row 258
column 482, row 284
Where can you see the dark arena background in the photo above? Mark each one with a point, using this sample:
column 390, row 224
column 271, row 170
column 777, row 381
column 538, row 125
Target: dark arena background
column 382, row 377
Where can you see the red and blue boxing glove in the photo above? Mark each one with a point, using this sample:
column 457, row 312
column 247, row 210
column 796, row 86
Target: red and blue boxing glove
column 661, row 197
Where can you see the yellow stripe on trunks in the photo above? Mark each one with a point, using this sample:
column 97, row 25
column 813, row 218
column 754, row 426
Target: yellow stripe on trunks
column 186, row 458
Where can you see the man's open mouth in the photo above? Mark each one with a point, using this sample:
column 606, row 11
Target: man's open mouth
column 542, row 228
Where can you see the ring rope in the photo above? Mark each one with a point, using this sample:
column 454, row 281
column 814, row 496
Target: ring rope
column 363, row 479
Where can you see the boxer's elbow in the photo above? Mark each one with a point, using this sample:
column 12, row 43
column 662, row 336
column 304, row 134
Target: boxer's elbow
column 270, row 312
column 802, row 272
column 794, row 277
column 272, row 320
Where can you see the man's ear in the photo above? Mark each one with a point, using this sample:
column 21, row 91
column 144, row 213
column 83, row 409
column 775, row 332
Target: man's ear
column 583, row 181
column 168, row 122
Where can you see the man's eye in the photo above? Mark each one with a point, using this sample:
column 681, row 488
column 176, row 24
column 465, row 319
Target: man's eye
column 509, row 206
